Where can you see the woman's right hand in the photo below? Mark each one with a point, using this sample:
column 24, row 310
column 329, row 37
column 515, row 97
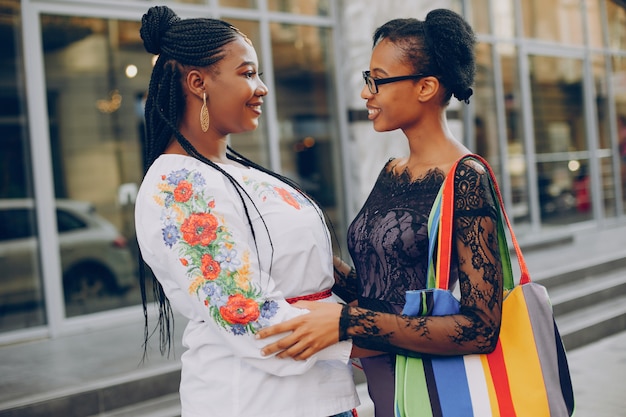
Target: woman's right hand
column 309, row 333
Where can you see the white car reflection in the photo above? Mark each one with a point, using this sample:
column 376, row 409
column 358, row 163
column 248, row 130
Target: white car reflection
column 95, row 257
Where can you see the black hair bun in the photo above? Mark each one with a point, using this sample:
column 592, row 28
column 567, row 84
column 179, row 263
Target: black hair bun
column 464, row 95
column 154, row 24
column 450, row 40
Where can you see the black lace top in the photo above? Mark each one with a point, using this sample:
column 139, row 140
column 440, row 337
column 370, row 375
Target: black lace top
column 388, row 242
column 388, row 238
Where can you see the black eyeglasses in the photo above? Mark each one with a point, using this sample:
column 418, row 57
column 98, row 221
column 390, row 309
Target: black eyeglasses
column 373, row 83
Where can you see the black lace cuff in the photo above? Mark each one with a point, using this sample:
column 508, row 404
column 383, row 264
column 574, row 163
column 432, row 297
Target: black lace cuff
column 344, row 322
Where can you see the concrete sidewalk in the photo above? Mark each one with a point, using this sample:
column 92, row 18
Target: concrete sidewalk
column 64, row 368
column 598, row 374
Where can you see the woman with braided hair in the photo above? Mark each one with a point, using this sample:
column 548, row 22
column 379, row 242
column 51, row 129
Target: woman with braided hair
column 415, row 68
column 231, row 244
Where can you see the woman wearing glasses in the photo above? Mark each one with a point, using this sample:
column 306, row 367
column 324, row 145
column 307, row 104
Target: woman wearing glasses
column 415, row 69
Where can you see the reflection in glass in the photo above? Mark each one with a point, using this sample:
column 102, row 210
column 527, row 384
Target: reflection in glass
column 607, row 167
column 616, row 15
column 560, row 139
column 553, row 20
column 21, row 289
column 564, row 191
column 619, row 87
column 307, row 7
column 504, row 18
column 516, row 163
column 593, row 15
column 485, row 122
column 480, row 16
column 248, row 4
column 97, row 69
column 306, row 108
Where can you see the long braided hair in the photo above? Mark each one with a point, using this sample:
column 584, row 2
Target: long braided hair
column 182, row 44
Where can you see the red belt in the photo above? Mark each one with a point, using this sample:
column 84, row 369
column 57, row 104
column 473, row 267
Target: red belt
column 311, row 297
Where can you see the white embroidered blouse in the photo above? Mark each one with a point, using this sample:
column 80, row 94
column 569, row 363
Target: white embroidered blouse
column 194, row 234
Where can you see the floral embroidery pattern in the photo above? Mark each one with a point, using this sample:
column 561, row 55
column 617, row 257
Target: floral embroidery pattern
column 265, row 189
column 218, row 274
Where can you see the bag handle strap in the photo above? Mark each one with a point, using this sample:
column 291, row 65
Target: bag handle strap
column 443, row 208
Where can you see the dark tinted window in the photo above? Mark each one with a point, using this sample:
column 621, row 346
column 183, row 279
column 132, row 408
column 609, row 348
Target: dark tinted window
column 67, row 221
column 16, row 223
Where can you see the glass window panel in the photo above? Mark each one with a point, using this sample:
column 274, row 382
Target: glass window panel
column 253, row 144
column 553, row 20
column 616, row 14
column 608, row 185
column 307, row 7
column 21, row 289
column 504, row 18
column 306, row 107
column 604, row 135
column 98, row 70
column 594, row 19
column 564, row 191
column 485, row 123
column 560, row 140
column 246, row 4
column 516, row 163
column 480, row 16
column 619, row 87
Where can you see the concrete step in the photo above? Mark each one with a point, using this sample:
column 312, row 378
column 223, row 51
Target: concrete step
column 588, row 298
column 578, row 269
column 592, row 323
column 588, row 292
column 100, row 397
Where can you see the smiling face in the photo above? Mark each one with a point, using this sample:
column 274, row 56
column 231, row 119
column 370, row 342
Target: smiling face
column 234, row 90
column 396, row 105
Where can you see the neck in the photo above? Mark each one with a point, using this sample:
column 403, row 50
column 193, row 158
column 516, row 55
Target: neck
column 431, row 143
column 208, row 144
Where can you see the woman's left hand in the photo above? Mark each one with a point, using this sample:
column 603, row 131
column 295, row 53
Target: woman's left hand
column 310, row 332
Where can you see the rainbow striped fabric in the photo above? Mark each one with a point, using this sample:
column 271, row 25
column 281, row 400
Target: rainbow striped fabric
column 526, row 376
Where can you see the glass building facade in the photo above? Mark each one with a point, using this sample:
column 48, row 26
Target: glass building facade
column 549, row 113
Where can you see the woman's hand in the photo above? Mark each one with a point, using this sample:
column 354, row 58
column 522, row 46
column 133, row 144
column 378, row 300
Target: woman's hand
column 310, row 332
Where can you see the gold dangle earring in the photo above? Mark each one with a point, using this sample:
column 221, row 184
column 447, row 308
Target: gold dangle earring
column 204, row 114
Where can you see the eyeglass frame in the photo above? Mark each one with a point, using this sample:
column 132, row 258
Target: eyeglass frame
column 382, row 81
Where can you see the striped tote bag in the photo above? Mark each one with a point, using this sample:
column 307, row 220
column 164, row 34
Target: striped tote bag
column 527, row 375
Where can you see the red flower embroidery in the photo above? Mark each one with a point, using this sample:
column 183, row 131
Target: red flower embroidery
column 184, row 261
column 183, row 191
column 199, row 229
column 210, row 267
column 240, row 310
column 212, row 203
column 287, row 197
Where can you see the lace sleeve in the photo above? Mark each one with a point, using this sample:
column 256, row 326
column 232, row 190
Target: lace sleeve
column 346, row 284
column 476, row 327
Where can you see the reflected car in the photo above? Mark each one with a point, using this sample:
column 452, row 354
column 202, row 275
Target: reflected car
column 95, row 258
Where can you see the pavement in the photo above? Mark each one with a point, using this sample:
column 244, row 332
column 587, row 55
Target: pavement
column 46, row 369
